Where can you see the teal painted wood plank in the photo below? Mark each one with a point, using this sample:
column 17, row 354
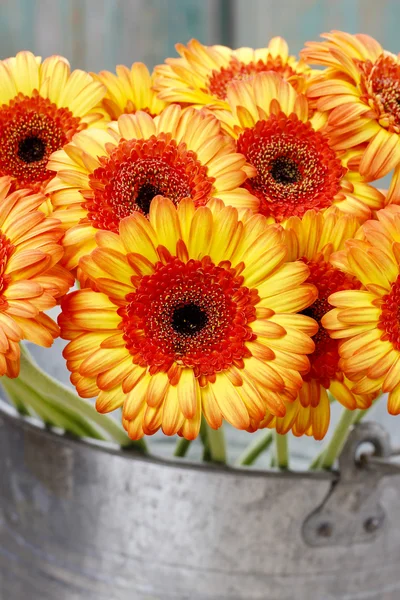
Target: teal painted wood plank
column 256, row 21
column 27, row 10
column 98, row 34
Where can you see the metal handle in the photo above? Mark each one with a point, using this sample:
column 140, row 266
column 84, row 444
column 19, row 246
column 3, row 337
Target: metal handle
column 351, row 512
column 383, row 465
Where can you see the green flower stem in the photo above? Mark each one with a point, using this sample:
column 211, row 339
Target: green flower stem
column 361, row 413
column 204, row 440
column 216, row 440
column 214, row 443
column 52, row 413
column 253, row 450
column 282, row 454
column 326, row 459
column 15, row 390
column 55, row 392
column 182, row 446
column 315, row 463
column 15, row 399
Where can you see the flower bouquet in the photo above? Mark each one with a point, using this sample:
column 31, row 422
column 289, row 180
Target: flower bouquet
column 232, row 260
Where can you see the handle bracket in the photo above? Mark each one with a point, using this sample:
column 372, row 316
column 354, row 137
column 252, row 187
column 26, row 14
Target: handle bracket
column 351, row 512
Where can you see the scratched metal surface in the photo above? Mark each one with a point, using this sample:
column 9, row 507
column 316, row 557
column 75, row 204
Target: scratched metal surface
column 78, row 522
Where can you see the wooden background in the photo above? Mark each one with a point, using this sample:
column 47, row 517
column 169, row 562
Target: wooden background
column 98, row 34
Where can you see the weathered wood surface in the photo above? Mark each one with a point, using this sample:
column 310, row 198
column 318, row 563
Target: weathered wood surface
column 98, row 34
column 256, row 21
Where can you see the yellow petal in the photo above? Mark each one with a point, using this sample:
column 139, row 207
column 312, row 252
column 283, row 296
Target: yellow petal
column 230, row 403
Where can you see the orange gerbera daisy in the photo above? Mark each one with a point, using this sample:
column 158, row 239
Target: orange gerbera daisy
column 297, row 169
column 313, row 239
column 30, row 278
column 42, row 105
column 368, row 320
column 203, row 73
column 105, row 176
column 130, row 90
column 361, row 92
column 192, row 314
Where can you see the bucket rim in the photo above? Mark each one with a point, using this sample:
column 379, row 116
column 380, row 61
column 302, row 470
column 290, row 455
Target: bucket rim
column 34, row 425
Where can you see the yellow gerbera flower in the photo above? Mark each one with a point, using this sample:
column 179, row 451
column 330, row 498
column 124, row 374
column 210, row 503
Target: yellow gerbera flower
column 105, row 176
column 30, row 278
column 313, row 239
column 297, row 168
column 192, row 314
column 360, row 90
column 130, row 90
column 203, row 73
column 368, row 320
column 42, row 105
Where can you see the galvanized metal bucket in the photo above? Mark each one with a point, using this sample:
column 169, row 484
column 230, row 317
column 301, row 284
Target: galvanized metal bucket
column 84, row 521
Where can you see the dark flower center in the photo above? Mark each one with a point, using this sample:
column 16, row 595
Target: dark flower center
column 389, row 320
column 145, row 196
column 138, row 170
column 31, row 149
column 6, row 251
column 196, row 314
column 31, row 129
column 324, row 360
column 296, row 168
column 285, row 170
column 235, row 70
column 189, row 319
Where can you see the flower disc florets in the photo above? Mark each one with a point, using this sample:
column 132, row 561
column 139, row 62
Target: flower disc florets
column 195, row 314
